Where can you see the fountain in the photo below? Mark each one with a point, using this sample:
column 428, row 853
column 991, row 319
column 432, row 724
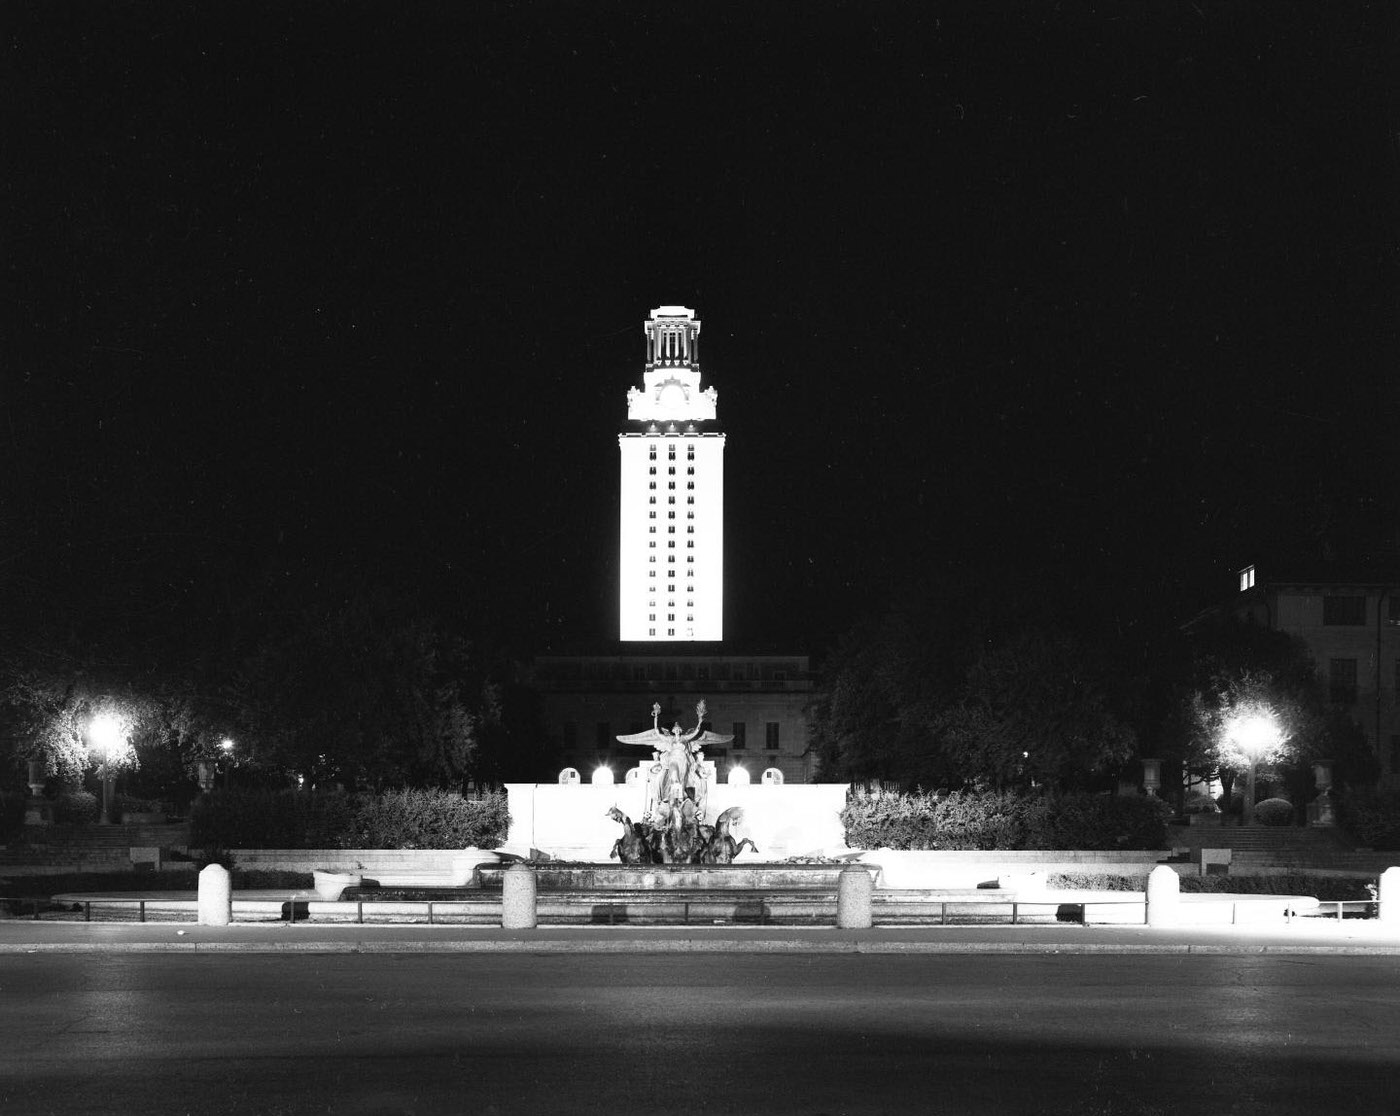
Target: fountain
column 675, row 827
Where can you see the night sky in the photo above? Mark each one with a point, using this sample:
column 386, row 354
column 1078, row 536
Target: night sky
column 1081, row 305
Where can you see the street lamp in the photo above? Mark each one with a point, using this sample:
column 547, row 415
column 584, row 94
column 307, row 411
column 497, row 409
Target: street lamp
column 1256, row 735
column 107, row 732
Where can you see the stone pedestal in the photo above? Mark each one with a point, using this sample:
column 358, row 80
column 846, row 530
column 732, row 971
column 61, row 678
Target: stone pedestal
column 855, row 892
column 215, row 896
column 1163, row 897
column 518, row 899
column 1152, row 776
column 1322, row 811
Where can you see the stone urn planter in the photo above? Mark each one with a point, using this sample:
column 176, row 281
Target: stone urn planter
column 329, row 884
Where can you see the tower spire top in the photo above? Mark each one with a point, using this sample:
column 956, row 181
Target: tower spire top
column 673, row 338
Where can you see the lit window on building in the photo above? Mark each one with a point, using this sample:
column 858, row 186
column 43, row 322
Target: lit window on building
column 1246, row 578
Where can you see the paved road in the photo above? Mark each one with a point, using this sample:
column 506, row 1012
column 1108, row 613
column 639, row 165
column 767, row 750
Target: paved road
column 765, row 1033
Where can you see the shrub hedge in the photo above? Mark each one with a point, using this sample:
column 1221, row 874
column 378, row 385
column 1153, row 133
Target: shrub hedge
column 75, row 807
column 1005, row 820
column 239, row 818
column 1371, row 817
column 1325, row 888
column 11, row 815
column 1274, row 811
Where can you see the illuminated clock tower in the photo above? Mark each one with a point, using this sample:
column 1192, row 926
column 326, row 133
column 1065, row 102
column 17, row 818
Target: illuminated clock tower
column 672, row 505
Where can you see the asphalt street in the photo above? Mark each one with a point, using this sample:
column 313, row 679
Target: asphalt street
column 697, row 1032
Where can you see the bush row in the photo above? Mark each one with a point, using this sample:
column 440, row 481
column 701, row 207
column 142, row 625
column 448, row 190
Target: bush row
column 1371, row 817
column 1326, row 888
column 1005, row 820
column 408, row 819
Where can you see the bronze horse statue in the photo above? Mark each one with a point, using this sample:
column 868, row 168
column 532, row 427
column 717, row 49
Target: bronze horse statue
column 633, row 846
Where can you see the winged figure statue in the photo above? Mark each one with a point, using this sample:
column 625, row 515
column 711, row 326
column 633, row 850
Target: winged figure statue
column 680, row 765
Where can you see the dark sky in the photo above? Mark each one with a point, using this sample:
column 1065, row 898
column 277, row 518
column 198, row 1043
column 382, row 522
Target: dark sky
column 1082, row 303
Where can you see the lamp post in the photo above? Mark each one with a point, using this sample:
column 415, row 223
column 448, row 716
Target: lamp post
column 1255, row 735
column 108, row 735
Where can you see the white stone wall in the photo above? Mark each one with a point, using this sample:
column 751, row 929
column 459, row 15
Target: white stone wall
column 571, row 822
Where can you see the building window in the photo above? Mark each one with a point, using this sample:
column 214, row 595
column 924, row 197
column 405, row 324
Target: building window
column 740, row 729
column 1341, row 680
column 770, row 736
column 671, row 471
column 691, row 500
column 1339, row 611
column 690, row 470
column 651, row 616
column 670, row 631
column 1246, row 578
column 651, row 631
column 652, row 470
column 670, row 484
column 651, row 515
column 690, row 484
column 651, row 484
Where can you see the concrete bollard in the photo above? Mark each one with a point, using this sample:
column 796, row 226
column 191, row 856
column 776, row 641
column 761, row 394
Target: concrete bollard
column 855, row 890
column 215, row 896
column 1389, row 895
column 1163, row 897
column 518, row 898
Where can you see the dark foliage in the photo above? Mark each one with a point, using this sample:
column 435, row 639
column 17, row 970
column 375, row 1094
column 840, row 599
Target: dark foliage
column 1372, row 817
column 410, row 819
column 1004, row 820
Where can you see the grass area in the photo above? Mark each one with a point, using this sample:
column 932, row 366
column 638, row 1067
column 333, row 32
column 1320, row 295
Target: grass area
column 1324, row 888
column 41, row 887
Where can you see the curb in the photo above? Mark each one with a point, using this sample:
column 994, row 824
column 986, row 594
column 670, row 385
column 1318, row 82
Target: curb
column 713, row 945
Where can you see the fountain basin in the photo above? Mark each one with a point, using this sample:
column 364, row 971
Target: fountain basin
column 669, row 877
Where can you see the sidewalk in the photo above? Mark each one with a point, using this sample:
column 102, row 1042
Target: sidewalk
column 1303, row 936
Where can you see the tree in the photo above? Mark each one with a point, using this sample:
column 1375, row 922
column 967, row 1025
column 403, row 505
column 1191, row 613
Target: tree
column 366, row 693
column 1034, row 709
column 881, row 691
column 1233, row 666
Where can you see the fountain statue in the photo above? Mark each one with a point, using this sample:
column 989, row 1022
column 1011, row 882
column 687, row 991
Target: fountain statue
column 675, row 827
